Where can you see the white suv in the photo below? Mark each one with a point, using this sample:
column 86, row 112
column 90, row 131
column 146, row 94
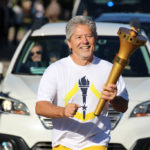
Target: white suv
column 22, row 129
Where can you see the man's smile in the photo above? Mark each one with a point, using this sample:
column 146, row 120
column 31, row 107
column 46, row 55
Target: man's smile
column 85, row 47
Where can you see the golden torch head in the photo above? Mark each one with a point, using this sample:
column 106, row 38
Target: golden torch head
column 130, row 40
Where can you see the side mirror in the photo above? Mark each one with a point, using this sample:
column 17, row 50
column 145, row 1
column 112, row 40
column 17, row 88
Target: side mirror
column 1, row 71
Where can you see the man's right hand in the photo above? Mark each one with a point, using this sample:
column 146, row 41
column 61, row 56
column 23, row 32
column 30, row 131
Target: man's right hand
column 47, row 109
column 71, row 109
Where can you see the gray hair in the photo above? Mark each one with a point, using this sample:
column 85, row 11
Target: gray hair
column 70, row 27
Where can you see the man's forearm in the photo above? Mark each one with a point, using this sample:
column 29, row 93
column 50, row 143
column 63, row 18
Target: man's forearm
column 119, row 104
column 47, row 109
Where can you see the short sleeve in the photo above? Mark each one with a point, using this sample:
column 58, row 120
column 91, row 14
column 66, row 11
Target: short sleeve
column 122, row 91
column 48, row 84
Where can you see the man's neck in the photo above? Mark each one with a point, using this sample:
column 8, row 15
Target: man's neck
column 82, row 61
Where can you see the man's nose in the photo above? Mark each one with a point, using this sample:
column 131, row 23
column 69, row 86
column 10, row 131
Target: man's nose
column 85, row 39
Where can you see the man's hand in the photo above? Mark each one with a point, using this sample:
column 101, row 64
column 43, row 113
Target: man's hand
column 71, row 109
column 47, row 109
column 109, row 92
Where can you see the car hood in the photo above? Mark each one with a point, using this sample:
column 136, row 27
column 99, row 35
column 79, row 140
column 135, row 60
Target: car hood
column 21, row 86
column 138, row 88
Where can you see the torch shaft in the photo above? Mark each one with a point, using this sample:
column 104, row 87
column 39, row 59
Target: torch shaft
column 112, row 79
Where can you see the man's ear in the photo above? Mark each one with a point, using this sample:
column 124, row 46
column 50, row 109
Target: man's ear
column 69, row 44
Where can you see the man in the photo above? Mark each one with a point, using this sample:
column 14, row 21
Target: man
column 71, row 88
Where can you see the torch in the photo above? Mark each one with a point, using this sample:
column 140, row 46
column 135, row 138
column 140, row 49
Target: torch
column 130, row 40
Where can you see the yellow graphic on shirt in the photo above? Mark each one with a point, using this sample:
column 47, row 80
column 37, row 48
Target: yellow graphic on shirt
column 88, row 116
column 72, row 92
column 95, row 91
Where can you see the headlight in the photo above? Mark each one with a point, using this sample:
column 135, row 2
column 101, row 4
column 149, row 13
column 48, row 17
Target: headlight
column 13, row 106
column 141, row 110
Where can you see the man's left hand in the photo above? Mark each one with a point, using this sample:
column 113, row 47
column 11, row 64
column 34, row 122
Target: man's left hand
column 109, row 92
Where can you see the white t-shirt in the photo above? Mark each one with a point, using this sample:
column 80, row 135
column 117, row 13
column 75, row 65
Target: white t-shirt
column 66, row 82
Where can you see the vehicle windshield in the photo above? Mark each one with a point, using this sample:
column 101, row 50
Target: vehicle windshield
column 55, row 48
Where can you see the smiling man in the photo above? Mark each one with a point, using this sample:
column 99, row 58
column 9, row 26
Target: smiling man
column 82, row 44
column 71, row 88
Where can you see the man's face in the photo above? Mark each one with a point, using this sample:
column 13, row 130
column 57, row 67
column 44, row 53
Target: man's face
column 82, row 43
column 36, row 54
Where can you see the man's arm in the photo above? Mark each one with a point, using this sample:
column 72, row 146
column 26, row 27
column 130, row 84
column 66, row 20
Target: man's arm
column 119, row 104
column 47, row 109
column 110, row 94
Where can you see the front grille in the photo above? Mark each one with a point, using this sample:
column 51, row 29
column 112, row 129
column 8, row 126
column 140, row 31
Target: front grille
column 114, row 117
column 42, row 146
column 48, row 146
column 115, row 146
column 47, row 122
